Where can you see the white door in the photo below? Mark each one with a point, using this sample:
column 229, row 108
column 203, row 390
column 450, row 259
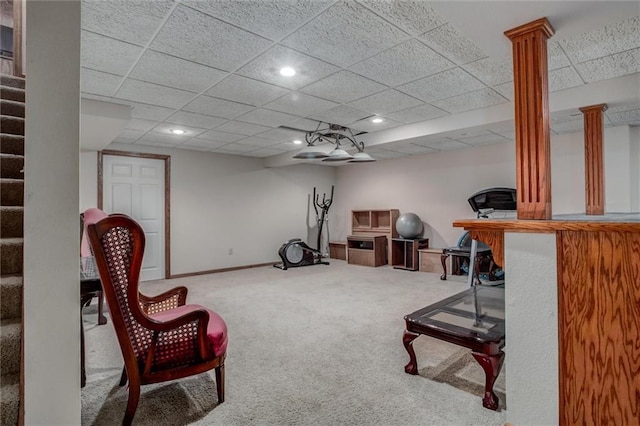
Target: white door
column 135, row 186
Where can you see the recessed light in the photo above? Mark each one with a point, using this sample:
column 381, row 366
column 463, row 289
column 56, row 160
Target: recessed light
column 297, row 142
column 178, row 131
column 287, row 71
column 377, row 120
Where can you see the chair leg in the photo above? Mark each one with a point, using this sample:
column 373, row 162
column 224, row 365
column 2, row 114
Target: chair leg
column 132, row 403
column 123, row 377
column 220, row 383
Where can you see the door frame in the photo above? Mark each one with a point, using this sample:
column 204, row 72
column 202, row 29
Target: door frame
column 167, row 195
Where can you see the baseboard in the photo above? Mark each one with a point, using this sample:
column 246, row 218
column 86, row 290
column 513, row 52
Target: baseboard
column 215, row 271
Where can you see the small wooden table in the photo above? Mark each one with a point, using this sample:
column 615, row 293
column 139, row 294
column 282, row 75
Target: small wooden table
column 473, row 319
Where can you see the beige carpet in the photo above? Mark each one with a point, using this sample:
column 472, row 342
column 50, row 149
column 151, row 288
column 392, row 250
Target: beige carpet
column 318, row 345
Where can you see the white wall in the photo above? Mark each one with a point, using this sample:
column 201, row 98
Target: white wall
column 51, row 241
column 221, row 202
column 531, row 311
column 634, row 165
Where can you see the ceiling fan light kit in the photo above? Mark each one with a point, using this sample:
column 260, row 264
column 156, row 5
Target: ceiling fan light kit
column 334, row 134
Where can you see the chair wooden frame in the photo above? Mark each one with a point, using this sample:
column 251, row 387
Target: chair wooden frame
column 118, row 246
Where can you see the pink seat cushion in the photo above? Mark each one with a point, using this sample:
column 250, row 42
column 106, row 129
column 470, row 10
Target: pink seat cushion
column 216, row 329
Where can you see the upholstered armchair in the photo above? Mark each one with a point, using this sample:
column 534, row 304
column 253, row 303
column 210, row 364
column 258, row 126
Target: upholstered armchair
column 161, row 337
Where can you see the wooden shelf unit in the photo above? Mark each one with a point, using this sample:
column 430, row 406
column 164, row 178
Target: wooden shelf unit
column 374, row 223
column 338, row 250
column 404, row 252
column 366, row 250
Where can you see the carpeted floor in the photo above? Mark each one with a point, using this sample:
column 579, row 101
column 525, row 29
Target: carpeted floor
column 319, row 345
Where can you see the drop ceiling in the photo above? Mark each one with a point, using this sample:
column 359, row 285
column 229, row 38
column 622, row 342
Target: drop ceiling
column 211, row 68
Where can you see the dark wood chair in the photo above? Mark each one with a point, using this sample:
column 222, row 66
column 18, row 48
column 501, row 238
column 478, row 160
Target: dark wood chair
column 161, row 337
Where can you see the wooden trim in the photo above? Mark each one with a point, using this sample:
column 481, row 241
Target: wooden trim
column 167, row 194
column 593, row 158
column 215, row 271
column 547, row 226
column 18, row 32
column 531, row 99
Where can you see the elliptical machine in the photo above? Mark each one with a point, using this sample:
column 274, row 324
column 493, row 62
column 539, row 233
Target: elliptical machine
column 296, row 252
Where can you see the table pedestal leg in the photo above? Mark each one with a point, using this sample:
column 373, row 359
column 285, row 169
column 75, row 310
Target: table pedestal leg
column 491, row 364
column 407, row 340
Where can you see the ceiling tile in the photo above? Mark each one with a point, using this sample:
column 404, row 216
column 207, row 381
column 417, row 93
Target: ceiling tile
column 610, row 66
column 156, row 67
column 445, row 144
column 264, row 152
column 217, row 107
column 259, row 141
column 344, row 34
column 246, row 90
column 269, row 18
column 131, row 134
column 447, row 41
column 624, row 106
column 131, row 21
column 385, row 102
column 266, row 67
column 142, row 125
column 604, row 41
column 368, row 126
column 154, row 94
column 383, row 154
column 266, row 117
column 505, row 89
column 631, row 118
column 305, row 124
column 193, row 119
column 165, row 128
column 472, row 100
column 193, row 147
column 443, row 85
column 556, row 58
column 234, row 148
column 157, row 143
column 415, row 17
column 343, row 86
column 279, row 135
column 342, row 114
column 565, row 115
column 98, row 83
column 188, row 34
column 106, row 54
column 120, row 139
column 203, row 143
column 483, row 139
column 286, row 146
column 241, row 128
column 568, row 127
column 465, row 133
column 216, row 136
column 405, row 62
column 416, row 114
column 162, row 138
column 149, row 112
column 300, row 104
column 564, row 78
column 409, row 148
column 491, row 71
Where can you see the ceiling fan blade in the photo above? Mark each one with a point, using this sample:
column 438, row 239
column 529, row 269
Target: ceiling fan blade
column 294, row 129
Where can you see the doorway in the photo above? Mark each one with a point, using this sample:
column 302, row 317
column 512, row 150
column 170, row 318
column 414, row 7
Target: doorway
column 138, row 185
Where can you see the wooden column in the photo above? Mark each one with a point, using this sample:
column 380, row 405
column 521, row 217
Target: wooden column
column 593, row 161
column 533, row 153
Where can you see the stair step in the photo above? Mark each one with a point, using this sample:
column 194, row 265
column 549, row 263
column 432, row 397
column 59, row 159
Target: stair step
column 12, row 192
column 9, row 399
column 12, row 81
column 11, row 166
column 10, row 297
column 11, row 256
column 12, row 108
column 11, row 144
column 12, row 94
column 10, row 332
column 11, row 221
column 12, row 125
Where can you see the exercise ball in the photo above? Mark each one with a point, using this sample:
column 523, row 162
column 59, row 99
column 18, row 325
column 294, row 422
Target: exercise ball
column 409, row 225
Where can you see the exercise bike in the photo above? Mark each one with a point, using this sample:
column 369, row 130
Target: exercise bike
column 296, row 252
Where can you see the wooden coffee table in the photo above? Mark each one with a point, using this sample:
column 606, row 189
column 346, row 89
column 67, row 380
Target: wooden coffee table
column 474, row 319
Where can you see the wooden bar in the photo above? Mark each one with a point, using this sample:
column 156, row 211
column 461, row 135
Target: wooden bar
column 594, row 163
column 533, row 145
column 598, row 269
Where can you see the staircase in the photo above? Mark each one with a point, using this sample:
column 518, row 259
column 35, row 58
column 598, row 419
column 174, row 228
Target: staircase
column 12, row 113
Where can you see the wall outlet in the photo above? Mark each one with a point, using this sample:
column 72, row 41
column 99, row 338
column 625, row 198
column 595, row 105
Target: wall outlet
column 230, row 251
